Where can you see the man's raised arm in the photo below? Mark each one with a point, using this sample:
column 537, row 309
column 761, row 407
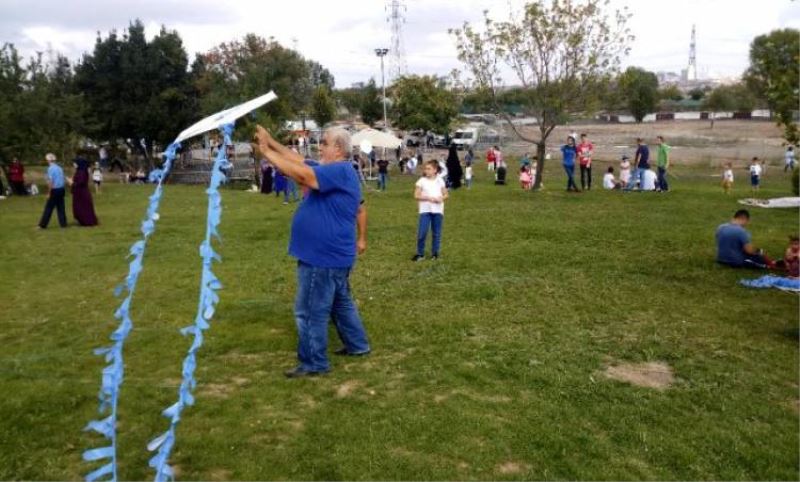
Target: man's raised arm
column 287, row 161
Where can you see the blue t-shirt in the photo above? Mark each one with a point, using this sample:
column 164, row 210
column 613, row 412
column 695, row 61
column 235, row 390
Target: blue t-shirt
column 731, row 239
column 324, row 226
column 644, row 155
column 569, row 153
column 56, row 176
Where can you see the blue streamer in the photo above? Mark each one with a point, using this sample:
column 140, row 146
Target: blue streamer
column 112, row 374
column 208, row 299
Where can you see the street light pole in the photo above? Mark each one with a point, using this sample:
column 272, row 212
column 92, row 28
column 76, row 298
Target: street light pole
column 382, row 53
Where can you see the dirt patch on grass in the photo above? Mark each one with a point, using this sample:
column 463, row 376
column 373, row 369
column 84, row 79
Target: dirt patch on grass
column 215, row 390
column 512, row 468
column 347, row 388
column 240, row 381
column 657, row 375
column 220, row 474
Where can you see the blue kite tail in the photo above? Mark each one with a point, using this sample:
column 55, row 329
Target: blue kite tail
column 112, row 375
column 206, row 306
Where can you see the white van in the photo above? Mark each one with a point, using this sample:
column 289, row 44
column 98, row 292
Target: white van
column 465, row 138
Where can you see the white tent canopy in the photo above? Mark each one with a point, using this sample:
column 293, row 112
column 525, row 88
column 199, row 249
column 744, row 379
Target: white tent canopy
column 376, row 138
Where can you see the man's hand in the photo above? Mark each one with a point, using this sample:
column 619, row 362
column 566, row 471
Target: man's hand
column 361, row 246
column 262, row 139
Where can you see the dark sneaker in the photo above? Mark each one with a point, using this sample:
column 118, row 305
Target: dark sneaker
column 417, row 258
column 343, row 352
column 301, row 373
column 434, row 257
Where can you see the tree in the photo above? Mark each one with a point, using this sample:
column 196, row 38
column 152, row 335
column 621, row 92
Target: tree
column 371, row 106
column 39, row 108
column 423, row 102
column 774, row 74
column 558, row 51
column 323, row 107
column 640, row 90
column 696, row 94
column 670, row 92
column 137, row 89
column 242, row 69
column 737, row 97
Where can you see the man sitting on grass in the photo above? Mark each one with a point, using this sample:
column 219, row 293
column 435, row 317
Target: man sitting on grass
column 735, row 247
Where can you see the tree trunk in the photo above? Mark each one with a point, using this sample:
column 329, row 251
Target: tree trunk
column 541, row 150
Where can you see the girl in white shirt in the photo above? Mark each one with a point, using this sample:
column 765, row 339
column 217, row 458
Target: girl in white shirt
column 430, row 192
column 97, row 177
column 727, row 178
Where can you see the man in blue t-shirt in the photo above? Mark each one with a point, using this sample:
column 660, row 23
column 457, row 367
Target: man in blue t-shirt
column 735, row 247
column 641, row 164
column 328, row 229
column 57, row 191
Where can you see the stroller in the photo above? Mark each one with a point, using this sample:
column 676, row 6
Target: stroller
column 500, row 176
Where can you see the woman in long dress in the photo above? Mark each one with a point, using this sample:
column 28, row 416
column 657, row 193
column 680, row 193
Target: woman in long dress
column 454, row 171
column 82, row 206
column 266, row 177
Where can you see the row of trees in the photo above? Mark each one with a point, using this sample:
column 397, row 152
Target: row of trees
column 131, row 88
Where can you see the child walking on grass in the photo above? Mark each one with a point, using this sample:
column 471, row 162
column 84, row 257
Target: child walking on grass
column 727, row 178
column 430, row 193
column 755, row 174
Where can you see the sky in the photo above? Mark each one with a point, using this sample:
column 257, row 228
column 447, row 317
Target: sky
column 342, row 35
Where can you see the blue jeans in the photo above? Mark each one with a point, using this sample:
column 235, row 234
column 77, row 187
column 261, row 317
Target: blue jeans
column 637, row 173
column 290, row 186
column 425, row 221
column 662, row 179
column 382, row 178
column 324, row 294
column 570, row 170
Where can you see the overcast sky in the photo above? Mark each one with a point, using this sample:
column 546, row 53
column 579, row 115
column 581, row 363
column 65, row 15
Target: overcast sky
column 343, row 34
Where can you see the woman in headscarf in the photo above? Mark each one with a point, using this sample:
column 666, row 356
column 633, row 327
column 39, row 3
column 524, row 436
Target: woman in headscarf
column 454, row 171
column 82, row 206
column 266, row 177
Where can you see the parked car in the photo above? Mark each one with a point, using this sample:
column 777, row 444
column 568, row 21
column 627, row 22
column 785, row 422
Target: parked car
column 414, row 138
column 465, row 138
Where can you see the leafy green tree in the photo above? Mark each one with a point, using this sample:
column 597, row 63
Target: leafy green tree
column 696, row 94
column 559, row 52
column 670, row 92
column 12, row 85
column 774, row 74
column 640, row 90
column 736, row 97
column 323, row 107
column 349, row 98
column 423, row 102
column 236, row 71
column 137, row 89
column 371, row 106
column 39, row 108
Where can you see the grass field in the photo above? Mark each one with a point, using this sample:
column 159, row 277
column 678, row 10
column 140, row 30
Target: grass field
column 487, row 364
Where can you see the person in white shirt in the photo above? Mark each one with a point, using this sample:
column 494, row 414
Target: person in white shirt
column 97, row 177
column 625, row 171
column 727, row 178
column 648, row 181
column 789, row 159
column 608, row 180
column 755, row 174
column 430, row 192
column 468, row 176
column 442, row 169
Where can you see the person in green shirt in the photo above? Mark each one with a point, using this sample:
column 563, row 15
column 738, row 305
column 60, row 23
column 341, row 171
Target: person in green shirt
column 662, row 161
